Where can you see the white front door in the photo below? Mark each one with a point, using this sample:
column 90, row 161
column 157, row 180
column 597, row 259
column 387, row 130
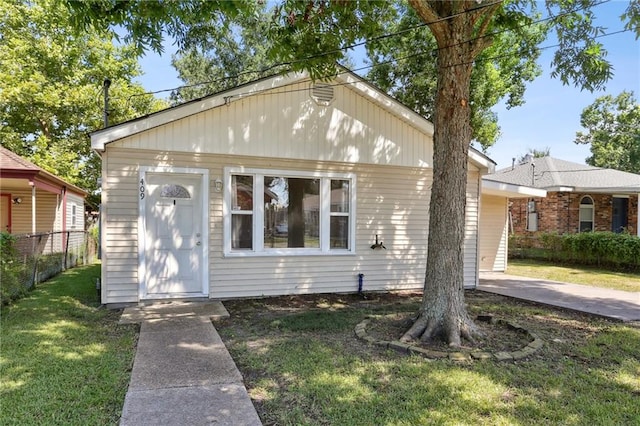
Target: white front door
column 174, row 238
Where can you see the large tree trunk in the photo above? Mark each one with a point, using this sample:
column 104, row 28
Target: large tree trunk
column 295, row 215
column 456, row 26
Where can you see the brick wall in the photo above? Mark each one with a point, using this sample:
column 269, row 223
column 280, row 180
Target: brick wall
column 560, row 212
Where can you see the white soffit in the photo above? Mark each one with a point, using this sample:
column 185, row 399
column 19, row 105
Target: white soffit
column 482, row 161
column 509, row 190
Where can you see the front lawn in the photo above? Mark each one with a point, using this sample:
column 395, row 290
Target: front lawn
column 584, row 275
column 303, row 365
column 64, row 360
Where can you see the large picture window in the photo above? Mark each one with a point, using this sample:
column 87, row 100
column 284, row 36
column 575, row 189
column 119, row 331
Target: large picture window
column 281, row 212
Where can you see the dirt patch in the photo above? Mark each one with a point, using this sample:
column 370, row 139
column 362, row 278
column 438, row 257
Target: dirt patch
column 269, row 319
column 498, row 335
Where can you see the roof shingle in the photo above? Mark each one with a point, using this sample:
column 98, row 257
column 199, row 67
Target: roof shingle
column 553, row 174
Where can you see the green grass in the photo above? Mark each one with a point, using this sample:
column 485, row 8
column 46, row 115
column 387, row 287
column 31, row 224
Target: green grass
column 302, row 369
column 63, row 358
column 575, row 274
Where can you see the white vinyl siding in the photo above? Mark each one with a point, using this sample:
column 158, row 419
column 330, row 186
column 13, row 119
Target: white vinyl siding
column 387, row 151
column 493, row 233
column 471, row 229
column 288, row 123
column 392, row 202
column 75, row 222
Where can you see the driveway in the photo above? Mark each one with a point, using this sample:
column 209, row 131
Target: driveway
column 614, row 304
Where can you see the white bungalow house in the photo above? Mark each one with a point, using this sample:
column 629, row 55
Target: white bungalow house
column 280, row 186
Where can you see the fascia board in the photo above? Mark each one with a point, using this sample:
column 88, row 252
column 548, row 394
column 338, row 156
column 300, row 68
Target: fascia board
column 616, row 190
column 510, row 190
column 482, row 161
column 102, row 137
column 597, row 190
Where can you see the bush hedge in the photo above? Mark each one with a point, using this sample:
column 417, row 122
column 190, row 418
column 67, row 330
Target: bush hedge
column 618, row 251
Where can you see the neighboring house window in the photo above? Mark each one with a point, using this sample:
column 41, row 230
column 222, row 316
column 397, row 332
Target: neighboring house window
column 586, row 214
column 532, row 216
column 282, row 212
column 73, row 215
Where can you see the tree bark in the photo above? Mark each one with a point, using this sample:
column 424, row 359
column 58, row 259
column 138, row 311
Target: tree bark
column 456, row 26
column 295, row 216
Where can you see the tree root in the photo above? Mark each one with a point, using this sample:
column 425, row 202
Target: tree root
column 426, row 329
column 416, row 330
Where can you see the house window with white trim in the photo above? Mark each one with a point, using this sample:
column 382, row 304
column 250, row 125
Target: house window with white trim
column 586, row 214
column 242, row 212
column 73, row 216
column 276, row 212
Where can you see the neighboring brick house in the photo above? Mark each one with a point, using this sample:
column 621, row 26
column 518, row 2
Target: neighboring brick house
column 579, row 197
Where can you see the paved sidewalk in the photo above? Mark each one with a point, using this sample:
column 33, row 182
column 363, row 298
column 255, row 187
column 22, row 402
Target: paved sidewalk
column 182, row 372
column 614, row 304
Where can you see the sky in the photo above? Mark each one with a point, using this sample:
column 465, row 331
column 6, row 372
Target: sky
column 550, row 116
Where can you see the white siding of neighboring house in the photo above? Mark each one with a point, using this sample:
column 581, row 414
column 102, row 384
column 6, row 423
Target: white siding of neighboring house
column 493, row 233
column 46, row 207
column 78, row 202
column 75, row 223
column 286, row 130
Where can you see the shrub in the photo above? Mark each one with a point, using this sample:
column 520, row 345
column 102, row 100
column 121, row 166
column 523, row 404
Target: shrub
column 618, row 251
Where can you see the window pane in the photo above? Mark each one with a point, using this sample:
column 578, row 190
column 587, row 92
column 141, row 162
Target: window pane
column 241, row 231
column 291, row 212
column 242, row 192
column 586, row 200
column 339, row 195
column 174, row 191
column 586, row 214
column 339, row 232
column 586, row 226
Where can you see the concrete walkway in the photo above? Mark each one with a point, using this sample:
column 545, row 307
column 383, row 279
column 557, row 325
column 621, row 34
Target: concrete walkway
column 182, row 372
column 614, row 304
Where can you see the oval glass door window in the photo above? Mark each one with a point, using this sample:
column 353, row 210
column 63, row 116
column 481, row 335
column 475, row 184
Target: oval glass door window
column 174, row 191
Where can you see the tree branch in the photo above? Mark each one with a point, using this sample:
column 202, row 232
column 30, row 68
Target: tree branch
column 424, row 10
column 485, row 14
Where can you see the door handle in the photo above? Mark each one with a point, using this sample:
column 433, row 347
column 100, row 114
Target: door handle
column 198, row 243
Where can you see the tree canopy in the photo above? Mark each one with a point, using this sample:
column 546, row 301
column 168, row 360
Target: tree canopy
column 613, row 132
column 225, row 59
column 50, row 89
column 404, row 65
column 534, row 153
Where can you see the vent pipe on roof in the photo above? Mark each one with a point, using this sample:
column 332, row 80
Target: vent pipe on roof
column 106, row 85
column 513, row 163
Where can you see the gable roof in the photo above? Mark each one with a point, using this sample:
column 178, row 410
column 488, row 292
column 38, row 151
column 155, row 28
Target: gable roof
column 554, row 174
column 100, row 138
column 9, row 160
column 13, row 166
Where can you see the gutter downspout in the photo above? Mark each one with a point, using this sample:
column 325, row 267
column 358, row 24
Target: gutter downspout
column 33, row 207
column 64, row 217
